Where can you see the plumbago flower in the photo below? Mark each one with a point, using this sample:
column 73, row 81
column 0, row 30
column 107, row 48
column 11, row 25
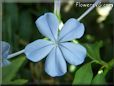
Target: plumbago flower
column 4, row 51
column 58, row 49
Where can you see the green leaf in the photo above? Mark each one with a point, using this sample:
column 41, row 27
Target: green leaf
column 93, row 50
column 8, row 9
column 9, row 72
column 10, row 24
column 25, row 27
column 18, row 82
column 11, row 9
column 99, row 79
column 83, row 75
column 7, row 29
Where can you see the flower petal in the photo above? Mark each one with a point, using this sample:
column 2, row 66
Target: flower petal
column 55, row 64
column 4, row 52
column 38, row 49
column 71, row 30
column 48, row 25
column 5, row 49
column 73, row 53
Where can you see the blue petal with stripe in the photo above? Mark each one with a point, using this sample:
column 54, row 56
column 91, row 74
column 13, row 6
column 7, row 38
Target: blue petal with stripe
column 48, row 25
column 38, row 49
column 73, row 53
column 55, row 63
column 72, row 29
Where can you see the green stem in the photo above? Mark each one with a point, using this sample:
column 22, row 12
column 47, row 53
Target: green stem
column 101, row 63
column 108, row 66
column 57, row 7
column 111, row 63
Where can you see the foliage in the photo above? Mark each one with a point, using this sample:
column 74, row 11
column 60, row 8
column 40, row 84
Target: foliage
column 9, row 72
column 85, row 74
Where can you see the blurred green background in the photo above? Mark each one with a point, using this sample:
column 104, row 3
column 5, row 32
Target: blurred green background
column 19, row 29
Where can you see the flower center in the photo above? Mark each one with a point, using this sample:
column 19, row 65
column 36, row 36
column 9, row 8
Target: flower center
column 56, row 43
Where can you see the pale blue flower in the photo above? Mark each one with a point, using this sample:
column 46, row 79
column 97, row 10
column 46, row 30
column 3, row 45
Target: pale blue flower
column 4, row 51
column 58, row 50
